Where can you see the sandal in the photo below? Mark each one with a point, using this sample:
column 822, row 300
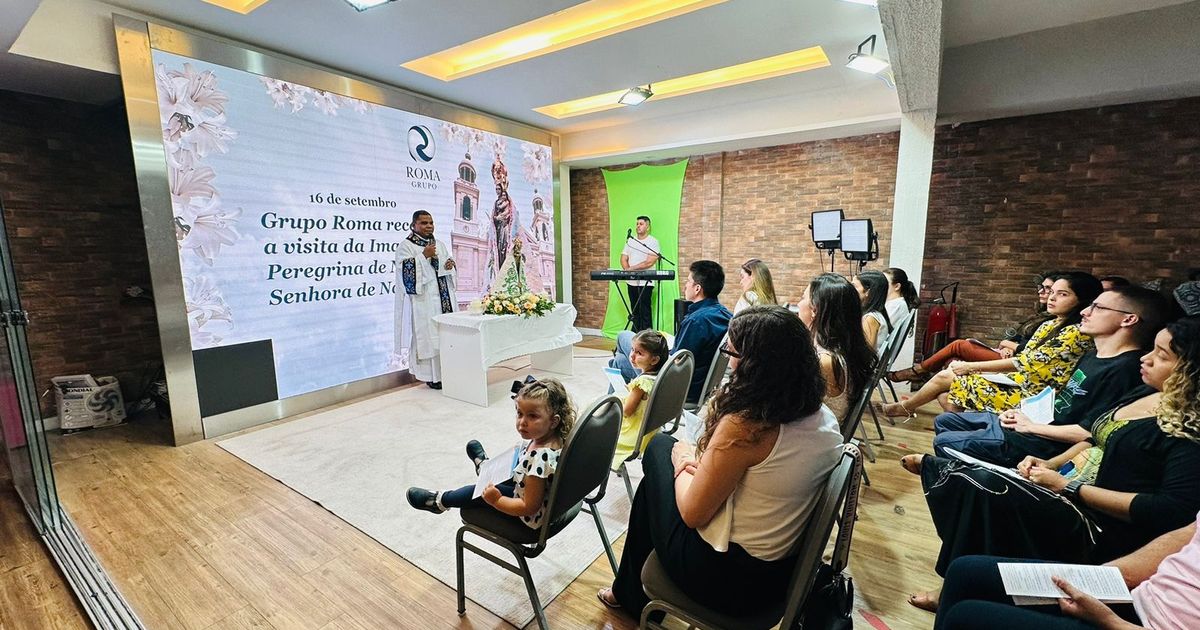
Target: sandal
column 925, row 601
column 907, row 374
column 606, row 597
column 889, row 410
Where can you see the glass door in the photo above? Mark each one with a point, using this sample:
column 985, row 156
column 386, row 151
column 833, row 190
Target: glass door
column 20, row 417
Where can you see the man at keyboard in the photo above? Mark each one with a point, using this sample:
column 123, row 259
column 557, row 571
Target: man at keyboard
column 640, row 253
column 701, row 330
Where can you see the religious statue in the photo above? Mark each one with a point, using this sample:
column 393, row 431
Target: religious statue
column 502, row 213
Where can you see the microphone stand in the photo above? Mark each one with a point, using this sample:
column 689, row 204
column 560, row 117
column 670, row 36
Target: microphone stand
column 657, row 283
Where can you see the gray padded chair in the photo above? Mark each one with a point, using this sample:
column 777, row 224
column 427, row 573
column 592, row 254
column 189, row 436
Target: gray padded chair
column 892, row 347
column 716, row 373
column 664, row 405
column 667, row 598
column 583, row 466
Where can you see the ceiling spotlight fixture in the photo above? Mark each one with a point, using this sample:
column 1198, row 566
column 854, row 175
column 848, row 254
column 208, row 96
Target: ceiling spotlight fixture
column 636, row 95
column 363, row 5
column 867, row 62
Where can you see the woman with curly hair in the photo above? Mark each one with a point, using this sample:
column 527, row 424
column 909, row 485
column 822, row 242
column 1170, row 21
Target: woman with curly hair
column 723, row 518
column 1048, row 360
column 1136, row 478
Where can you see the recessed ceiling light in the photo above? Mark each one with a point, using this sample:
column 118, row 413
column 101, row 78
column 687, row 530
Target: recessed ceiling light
column 363, row 5
column 576, row 25
column 867, row 62
column 769, row 67
column 635, row 96
column 870, row 3
column 238, row 6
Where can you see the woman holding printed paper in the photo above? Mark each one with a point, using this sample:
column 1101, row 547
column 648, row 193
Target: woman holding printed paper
column 1047, row 360
column 1136, row 478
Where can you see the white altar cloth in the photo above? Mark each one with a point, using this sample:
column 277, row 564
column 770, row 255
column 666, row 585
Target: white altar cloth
column 471, row 343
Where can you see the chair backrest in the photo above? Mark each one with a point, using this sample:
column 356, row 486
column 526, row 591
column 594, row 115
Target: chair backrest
column 896, row 339
column 849, row 424
column 816, row 534
column 716, row 372
column 667, row 398
column 583, row 464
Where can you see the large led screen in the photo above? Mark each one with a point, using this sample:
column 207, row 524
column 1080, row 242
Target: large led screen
column 289, row 203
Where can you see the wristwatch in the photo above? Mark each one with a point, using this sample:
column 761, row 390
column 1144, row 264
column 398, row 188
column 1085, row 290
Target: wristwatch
column 1072, row 489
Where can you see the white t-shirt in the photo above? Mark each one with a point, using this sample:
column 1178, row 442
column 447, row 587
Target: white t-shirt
column 638, row 250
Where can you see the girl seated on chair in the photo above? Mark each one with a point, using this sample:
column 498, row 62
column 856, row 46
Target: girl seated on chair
column 545, row 415
column 831, row 310
column 650, row 353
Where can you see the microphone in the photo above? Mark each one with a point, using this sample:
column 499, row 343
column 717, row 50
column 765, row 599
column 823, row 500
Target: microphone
column 628, row 234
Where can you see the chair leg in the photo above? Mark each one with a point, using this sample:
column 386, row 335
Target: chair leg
column 865, row 444
column 878, row 427
column 533, row 596
column 608, row 550
column 623, row 473
column 458, row 558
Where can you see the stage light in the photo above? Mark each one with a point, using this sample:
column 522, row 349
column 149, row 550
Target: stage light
column 363, row 5
column 867, row 62
column 826, row 226
column 635, row 96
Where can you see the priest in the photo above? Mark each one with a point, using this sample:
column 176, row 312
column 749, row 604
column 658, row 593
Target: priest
column 425, row 271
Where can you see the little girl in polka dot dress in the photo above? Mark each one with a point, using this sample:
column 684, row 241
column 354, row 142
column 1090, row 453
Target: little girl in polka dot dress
column 545, row 415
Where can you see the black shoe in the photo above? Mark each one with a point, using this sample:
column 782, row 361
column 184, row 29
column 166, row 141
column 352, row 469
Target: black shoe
column 476, row 453
column 434, row 384
column 423, row 499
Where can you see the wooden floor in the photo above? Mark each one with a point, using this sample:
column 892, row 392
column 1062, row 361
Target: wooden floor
column 195, row 538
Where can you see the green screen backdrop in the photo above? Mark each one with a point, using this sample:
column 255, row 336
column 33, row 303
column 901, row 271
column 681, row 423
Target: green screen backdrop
column 654, row 191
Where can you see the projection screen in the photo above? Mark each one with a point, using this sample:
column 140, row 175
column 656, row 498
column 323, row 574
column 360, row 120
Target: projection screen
column 274, row 195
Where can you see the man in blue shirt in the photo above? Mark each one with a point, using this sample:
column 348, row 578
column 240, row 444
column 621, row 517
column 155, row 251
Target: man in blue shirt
column 701, row 330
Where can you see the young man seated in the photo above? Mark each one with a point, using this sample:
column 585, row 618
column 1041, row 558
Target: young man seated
column 1122, row 322
column 701, row 330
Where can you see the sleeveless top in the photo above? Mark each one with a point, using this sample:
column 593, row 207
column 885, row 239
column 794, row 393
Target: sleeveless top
column 772, row 503
column 884, row 330
column 839, row 404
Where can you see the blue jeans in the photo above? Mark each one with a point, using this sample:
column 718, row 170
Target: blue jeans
column 973, row 598
column 461, row 497
column 621, row 359
column 976, row 433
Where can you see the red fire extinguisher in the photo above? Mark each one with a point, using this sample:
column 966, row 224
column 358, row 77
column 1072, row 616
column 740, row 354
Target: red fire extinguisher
column 942, row 323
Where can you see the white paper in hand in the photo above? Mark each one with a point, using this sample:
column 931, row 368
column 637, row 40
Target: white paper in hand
column 1029, row 583
column 1009, row 472
column 1040, row 407
column 496, row 470
column 999, row 379
column 616, row 380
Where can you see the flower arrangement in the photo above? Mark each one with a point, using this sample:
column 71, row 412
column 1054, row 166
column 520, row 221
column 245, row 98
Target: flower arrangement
column 524, row 304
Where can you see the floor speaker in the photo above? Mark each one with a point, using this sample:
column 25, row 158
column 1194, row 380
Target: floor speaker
column 681, row 307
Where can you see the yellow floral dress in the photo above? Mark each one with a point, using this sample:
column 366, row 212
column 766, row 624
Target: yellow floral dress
column 1045, row 362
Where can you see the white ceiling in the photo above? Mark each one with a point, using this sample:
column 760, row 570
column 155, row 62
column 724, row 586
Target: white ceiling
column 56, row 38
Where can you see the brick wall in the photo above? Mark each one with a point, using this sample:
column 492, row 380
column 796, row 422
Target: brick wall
column 74, row 225
column 752, row 203
column 1113, row 190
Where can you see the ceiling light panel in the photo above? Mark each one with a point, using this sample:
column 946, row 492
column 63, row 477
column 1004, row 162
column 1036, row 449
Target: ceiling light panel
column 576, row 25
column 767, row 68
column 238, row 6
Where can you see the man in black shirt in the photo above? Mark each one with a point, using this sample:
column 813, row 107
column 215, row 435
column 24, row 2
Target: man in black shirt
column 1122, row 322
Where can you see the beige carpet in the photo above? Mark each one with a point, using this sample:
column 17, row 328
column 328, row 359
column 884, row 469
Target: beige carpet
column 357, row 460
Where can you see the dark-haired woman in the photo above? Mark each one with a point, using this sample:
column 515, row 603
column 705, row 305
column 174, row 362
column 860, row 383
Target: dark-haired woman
column 723, row 518
column 1048, row 360
column 1136, row 478
column 873, row 290
column 831, row 308
column 901, row 296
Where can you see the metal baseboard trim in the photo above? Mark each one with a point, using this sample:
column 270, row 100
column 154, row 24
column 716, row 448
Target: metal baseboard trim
column 98, row 596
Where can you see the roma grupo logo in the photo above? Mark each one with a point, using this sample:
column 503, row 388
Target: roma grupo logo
column 420, row 143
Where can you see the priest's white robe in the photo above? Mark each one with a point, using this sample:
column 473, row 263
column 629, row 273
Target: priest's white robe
column 418, row 301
